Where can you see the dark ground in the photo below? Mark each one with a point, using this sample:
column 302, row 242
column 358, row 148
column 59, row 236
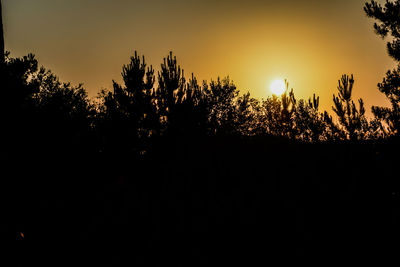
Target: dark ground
column 220, row 201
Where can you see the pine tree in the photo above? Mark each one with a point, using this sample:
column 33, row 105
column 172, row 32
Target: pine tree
column 388, row 24
column 171, row 84
column 128, row 112
column 182, row 106
column 390, row 86
column 352, row 119
column 288, row 101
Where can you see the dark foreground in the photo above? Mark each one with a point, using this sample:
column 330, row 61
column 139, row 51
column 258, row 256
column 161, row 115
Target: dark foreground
column 219, row 201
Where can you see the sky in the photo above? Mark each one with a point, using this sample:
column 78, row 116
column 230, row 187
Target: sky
column 311, row 43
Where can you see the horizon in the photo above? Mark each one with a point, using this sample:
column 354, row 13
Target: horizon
column 310, row 43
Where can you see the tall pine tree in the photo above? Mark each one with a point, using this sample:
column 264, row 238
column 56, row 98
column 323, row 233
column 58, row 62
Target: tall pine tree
column 388, row 25
column 352, row 119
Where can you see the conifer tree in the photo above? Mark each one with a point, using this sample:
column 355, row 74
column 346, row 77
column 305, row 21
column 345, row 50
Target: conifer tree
column 194, row 108
column 170, row 91
column 288, row 101
column 388, row 24
column 128, row 113
column 352, row 119
column 390, row 86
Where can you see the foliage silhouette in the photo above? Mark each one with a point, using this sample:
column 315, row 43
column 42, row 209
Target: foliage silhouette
column 352, row 119
column 309, row 121
column 388, row 23
column 182, row 107
column 127, row 115
column 387, row 119
column 391, row 116
column 226, row 109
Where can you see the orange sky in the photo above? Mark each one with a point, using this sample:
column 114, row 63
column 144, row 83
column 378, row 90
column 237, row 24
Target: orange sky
column 311, row 42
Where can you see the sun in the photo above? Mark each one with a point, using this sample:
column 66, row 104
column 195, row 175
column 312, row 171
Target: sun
column 278, row 87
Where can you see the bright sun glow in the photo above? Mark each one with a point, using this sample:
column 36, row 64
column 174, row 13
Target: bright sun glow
column 278, row 87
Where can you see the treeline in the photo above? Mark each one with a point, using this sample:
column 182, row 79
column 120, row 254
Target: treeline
column 174, row 168
column 148, row 106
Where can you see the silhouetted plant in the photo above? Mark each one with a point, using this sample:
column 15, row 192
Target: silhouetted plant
column 270, row 117
column 390, row 86
column 287, row 112
column 309, row 122
column 244, row 114
column 333, row 131
column 64, row 112
column 388, row 119
column 127, row 116
column 170, row 91
column 183, row 106
column 352, row 119
column 223, row 107
column 193, row 110
column 276, row 115
column 18, row 84
column 17, row 79
column 388, row 23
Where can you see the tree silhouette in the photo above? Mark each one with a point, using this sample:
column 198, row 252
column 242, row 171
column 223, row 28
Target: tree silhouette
column 388, row 24
column 64, row 113
column 170, row 91
column 390, row 86
column 191, row 111
column 183, row 106
column 128, row 114
column 223, row 109
column 244, row 114
column 352, row 119
column 333, row 131
column 309, row 121
column 287, row 112
column 275, row 115
column 17, row 77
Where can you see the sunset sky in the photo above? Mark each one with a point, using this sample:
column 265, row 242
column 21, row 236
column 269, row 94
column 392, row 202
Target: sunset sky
column 311, row 42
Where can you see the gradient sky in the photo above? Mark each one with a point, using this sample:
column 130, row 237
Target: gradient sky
column 310, row 42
